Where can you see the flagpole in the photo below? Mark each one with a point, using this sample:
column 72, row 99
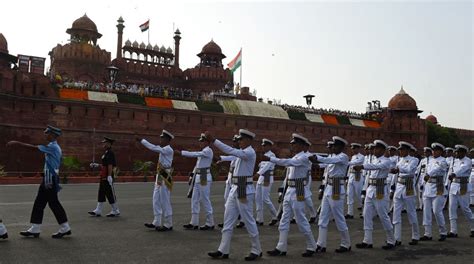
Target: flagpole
column 240, row 68
column 148, row 31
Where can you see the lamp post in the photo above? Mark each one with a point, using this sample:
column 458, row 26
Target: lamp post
column 113, row 71
column 309, row 99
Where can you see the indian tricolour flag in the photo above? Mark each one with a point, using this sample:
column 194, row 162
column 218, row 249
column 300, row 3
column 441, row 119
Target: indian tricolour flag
column 144, row 27
column 236, row 62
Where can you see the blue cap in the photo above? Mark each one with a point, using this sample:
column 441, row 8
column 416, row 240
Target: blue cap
column 54, row 130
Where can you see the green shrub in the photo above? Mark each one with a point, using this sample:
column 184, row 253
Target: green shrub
column 71, row 163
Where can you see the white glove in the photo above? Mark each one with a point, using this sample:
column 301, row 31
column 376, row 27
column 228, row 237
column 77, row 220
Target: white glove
column 110, row 180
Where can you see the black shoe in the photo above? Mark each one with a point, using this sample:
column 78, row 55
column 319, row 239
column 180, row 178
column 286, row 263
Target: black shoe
column 308, row 253
column 418, row 209
column 220, row 225
column 163, row 228
column 60, row 235
column 259, row 223
column 206, row 227
column 472, row 234
column 359, row 208
column 471, row 205
column 150, row 225
column 452, row 235
column 342, row 249
column 405, row 211
column 293, row 221
column 112, row 215
column 441, row 238
column 273, row 222
column 28, row 234
column 190, row 227
column 4, row 236
column 218, row 254
column 389, row 246
column 426, row 238
column 364, row 245
column 320, row 249
column 398, row 243
column 312, row 220
column 252, row 257
column 240, row 225
column 413, row 242
column 92, row 213
column 348, row 216
column 276, row 253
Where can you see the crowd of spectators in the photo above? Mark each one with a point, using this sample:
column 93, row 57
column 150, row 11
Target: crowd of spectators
column 228, row 92
column 330, row 111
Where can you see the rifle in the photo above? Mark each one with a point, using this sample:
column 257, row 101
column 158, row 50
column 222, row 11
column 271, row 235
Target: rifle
column 191, row 184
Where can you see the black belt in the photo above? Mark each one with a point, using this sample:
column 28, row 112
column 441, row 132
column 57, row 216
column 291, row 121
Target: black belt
column 293, row 182
column 461, row 180
column 435, row 179
column 377, row 181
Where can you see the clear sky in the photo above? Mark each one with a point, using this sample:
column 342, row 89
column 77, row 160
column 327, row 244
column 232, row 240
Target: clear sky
column 346, row 53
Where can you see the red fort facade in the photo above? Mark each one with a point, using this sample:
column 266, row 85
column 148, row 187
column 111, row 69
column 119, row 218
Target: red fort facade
column 29, row 101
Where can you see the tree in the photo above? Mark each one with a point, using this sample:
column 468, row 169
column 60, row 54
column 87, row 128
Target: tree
column 444, row 135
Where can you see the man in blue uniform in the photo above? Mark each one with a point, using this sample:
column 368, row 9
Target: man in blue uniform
column 49, row 187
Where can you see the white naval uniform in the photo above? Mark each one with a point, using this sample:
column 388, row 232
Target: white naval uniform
column 309, row 200
column 472, row 183
column 262, row 194
column 244, row 166
column 337, row 167
column 419, row 175
column 297, row 169
column 354, row 187
column 378, row 169
column 201, row 192
column 368, row 159
column 407, row 168
column 228, row 182
column 450, row 161
column 462, row 168
column 161, row 193
column 432, row 202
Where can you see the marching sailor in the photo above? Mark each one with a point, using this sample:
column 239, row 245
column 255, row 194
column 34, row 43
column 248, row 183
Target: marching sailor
column 421, row 169
column 294, row 201
column 228, row 182
column 391, row 179
column 334, row 196
column 200, row 184
column 459, row 190
column 449, row 154
column 241, row 196
column 106, row 185
column 403, row 194
column 163, row 183
column 368, row 158
column 49, row 187
column 264, row 185
column 434, row 193
column 355, row 181
column 376, row 199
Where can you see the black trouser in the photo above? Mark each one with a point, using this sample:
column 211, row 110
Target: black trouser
column 105, row 190
column 50, row 197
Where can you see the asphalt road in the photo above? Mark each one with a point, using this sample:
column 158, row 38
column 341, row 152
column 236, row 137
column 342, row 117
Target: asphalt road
column 126, row 240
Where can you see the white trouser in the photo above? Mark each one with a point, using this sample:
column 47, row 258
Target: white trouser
column 354, row 188
column 3, row 229
column 293, row 207
column 398, row 204
column 372, row 207
column 329, row 207
column 227, row 190
column 462, row 201
column 234, row 207
column 435, row 204
column 162, row 206
column 201, row 196
column 262, row 197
